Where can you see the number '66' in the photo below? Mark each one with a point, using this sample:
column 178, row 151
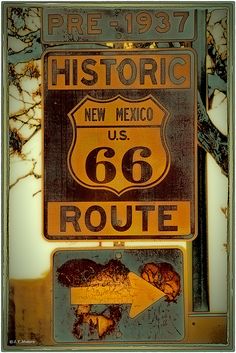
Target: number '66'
column 130, row 164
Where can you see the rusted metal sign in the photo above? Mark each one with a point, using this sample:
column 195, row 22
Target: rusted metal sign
column 118, row 295
column 108, row 25
column 119, row 144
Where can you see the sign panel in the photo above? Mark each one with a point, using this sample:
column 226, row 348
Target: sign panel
column 119, row 144
column 112, row 25
column 108, row 120
column 118, row 295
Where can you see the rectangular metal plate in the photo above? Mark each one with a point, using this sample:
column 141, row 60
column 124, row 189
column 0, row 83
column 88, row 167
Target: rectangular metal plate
column 119, row 144
column 117, row 296
column 66, row 25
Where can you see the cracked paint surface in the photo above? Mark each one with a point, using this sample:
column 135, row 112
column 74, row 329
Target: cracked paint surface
column 163, row 320
column 217, row 66
column 24, row 119
column 24, row 74
column 24, row 34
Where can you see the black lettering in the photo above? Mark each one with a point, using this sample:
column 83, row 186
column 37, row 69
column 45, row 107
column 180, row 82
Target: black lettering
column 123, row 135
column 148, row 72
column 173, row 78
column 65, row 218
column 145, row 209
column 90, row 72
column 126, row 114
column 149, row 113
column 133, row 114
column 75, row 72
column 60, row 71
column 163, row 71
column 119, row 114
column 142, row 117
column 163, row 216
column 115, row 221
column 88, row 223
column 110, row 135
column 133, row 71
column 108, row 63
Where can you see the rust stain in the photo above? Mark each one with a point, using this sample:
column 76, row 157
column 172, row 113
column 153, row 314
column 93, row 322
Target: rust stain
column 225, row 211
column 225, row 245
column 32, row 304
column 163, row 276
column 16, row 141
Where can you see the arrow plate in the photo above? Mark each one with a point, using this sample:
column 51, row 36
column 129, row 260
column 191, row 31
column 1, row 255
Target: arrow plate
column 118, row 295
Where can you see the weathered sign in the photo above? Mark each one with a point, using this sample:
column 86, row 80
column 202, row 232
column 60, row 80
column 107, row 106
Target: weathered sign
column 108, row 25
column 118, row 295
column 119, row 157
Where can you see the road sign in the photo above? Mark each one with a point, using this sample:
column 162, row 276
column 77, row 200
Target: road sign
column 66, row 25
column 119, row 144
column 115, row 121
column 118, row 295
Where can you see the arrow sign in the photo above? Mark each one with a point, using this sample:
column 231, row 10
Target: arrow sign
column 136, row 291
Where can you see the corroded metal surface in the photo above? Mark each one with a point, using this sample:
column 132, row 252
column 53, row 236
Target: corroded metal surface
column 161, row 320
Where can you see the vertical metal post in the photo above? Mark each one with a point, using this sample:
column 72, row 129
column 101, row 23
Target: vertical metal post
column 199, row 246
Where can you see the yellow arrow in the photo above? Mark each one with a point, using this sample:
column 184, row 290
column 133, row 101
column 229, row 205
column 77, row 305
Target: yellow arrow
column 137, row 292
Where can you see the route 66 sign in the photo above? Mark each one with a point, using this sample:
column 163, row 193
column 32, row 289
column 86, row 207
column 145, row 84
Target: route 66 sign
column 117, row 158
column 119, row 155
